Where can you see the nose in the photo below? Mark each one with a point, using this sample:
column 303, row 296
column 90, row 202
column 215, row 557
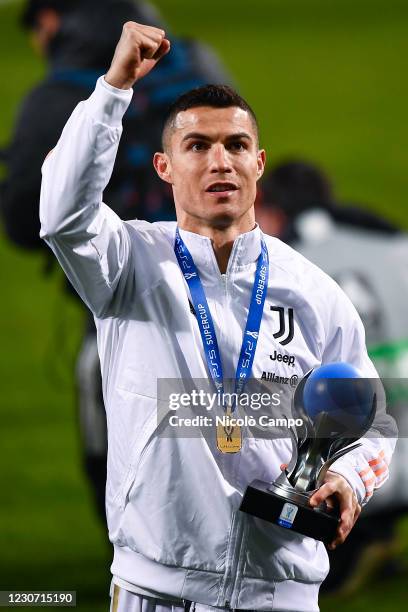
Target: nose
column 219, row 159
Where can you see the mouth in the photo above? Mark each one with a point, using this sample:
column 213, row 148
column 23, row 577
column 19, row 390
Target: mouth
column 222, row 188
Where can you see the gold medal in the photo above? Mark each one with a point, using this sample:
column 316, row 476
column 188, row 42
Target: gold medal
column 229, row 436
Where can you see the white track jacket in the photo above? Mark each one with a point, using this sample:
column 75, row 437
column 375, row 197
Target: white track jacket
column 172, row 503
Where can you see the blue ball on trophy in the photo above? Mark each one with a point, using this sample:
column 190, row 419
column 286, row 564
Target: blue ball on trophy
column 339, row 390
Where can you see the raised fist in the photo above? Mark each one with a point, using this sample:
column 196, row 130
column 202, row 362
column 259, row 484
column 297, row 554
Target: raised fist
column 139, row 49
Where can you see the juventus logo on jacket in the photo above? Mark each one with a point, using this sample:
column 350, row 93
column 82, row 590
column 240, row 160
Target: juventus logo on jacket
column 286, row 328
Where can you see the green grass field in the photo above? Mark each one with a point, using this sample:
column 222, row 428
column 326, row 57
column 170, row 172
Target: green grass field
column 327, row 81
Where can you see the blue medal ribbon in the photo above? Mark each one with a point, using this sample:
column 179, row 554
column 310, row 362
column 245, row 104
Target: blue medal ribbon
column 205, row 320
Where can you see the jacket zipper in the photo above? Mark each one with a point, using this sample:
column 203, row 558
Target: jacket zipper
column 237, row 530
column 233, row 561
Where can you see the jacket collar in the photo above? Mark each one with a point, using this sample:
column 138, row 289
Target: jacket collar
column 245, row 250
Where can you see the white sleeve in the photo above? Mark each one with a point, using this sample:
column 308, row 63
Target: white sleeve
column 365, row 468
column 88, row 238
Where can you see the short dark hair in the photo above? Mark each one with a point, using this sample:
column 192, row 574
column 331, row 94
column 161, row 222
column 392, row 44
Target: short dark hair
column 215, row 96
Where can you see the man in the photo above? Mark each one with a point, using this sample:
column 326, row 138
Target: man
column 173, row 303
column 78, row 38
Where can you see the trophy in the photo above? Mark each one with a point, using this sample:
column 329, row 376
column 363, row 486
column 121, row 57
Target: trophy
column 336, row 407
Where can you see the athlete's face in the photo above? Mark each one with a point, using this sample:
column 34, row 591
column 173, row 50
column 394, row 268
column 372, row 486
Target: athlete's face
column 213, row 164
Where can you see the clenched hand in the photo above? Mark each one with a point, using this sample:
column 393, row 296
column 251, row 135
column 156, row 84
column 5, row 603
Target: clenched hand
column 139, row 49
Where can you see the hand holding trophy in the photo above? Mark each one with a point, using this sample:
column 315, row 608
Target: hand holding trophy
column 337, row 407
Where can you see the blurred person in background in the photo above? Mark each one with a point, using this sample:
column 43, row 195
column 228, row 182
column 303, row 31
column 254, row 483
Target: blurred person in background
column 78, row 38
column 368, row 257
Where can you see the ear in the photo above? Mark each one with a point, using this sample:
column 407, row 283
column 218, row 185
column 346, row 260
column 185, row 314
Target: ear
column 162, row 165
column 261, row 160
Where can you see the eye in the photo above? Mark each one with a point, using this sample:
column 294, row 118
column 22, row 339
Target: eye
column 198, row 146
column 237, row 146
